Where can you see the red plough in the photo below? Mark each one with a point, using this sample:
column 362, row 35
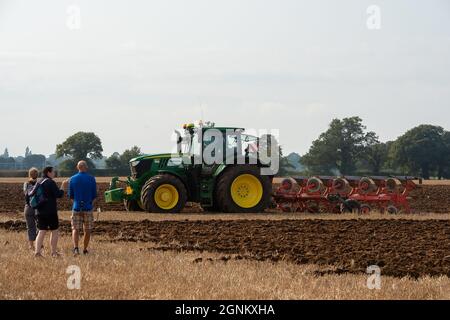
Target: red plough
column 345, row 194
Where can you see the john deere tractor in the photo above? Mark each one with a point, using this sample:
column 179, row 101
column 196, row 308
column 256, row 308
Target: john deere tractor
column 233, row 182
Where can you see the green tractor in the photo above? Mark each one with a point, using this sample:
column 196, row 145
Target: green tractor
column 163, row 183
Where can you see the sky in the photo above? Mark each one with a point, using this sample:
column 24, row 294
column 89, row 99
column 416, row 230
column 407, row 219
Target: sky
column 133, row 71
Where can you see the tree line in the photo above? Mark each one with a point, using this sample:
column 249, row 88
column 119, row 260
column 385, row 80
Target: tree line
column 345, row 148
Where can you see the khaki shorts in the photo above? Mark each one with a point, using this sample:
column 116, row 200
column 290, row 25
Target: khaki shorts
column 82, row 218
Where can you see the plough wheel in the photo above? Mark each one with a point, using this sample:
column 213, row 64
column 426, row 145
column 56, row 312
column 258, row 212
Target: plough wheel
column 341, row 185
column 365, row 209
column 314, row 185
column 366, row 185
column 287, row 184
column 393, row 185
column 392, row 209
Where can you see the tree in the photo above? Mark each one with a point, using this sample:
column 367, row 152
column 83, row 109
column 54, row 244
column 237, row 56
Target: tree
column 444, row 161
column 284, row 164
column 376, row 156
column 121, row 161
column 129, row 154
column 421, row 150
column 114, row 162
column 340, row 147
column 34, row 160
column 80, row 146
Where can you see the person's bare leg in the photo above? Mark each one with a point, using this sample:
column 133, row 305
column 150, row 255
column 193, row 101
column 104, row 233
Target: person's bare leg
column 87, row 238
column 39, row 241
column 75, row 238
column 54, row 241
column 31, row 243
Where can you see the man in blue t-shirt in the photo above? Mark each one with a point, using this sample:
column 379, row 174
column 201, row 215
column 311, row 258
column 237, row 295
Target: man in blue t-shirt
column 83, row 191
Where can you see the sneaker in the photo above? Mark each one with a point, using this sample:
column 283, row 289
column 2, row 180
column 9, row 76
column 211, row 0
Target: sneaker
column 85, row 251
column 76, row 251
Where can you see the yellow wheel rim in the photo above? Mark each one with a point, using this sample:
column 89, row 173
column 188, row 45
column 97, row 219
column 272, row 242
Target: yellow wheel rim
column 246, row 191
column 166, row 196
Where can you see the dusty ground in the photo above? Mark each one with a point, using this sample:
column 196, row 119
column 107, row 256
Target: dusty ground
column 129, row 270
column 400, row 247
column 425, row 199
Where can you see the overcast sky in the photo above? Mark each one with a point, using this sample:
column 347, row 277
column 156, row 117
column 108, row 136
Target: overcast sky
column 136, row 70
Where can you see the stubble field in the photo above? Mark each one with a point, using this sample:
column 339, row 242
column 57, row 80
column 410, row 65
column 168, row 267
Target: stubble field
column 196, row 255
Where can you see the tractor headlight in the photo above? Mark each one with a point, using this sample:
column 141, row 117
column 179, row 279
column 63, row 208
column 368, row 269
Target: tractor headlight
column 135, row 163
column 128, row 191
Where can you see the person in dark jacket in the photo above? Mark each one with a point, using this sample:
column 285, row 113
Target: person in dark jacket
column 47, row 213
column 29, row 212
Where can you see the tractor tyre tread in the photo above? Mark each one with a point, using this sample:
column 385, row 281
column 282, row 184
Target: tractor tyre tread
column 149, row 188
column 223, row 195
column 131, row 205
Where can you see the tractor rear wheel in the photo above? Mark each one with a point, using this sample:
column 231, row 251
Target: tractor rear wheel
column 242, row 189
column 131, row 205
column 164, row 193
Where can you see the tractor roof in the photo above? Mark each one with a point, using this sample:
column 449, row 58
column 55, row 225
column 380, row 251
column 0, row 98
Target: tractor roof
column 226, row 128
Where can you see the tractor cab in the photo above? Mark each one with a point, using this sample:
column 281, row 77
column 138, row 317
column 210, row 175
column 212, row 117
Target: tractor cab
column 209, row 145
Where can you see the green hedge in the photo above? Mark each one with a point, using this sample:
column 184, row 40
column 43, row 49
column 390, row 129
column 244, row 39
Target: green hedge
column 13, row 173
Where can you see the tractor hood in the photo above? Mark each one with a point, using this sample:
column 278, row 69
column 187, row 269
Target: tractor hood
column 151, row 156
column 143, row 164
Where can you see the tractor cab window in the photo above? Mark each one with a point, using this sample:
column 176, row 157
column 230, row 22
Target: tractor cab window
column 240, row 143
column 186, row 144
column 249, row 144
column 195, row 145
column 190, row 144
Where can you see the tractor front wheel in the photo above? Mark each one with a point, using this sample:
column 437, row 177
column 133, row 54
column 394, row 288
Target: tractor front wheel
column 131, row 205
column 242, row 189
column 164, row 193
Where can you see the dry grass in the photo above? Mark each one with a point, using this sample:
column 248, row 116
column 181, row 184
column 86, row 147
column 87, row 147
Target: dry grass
column 139, row 216
column 130, row 271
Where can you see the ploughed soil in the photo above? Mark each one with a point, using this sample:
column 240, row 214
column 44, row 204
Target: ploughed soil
column 399, row 247
column 425, row 199
column 12, row 199
column 431, row 198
